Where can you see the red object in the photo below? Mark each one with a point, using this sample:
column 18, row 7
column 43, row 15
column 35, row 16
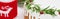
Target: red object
column 41, row 12
column 59, row 13
column 13, row 13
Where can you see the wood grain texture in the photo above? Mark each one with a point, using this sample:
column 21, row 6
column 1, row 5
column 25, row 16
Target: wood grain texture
column 26, row 17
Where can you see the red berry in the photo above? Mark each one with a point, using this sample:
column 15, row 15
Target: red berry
column 59, row 13
column 41, row 12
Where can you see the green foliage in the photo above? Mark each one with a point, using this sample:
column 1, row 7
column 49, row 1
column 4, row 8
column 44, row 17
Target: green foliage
column 46, row 8
column 58, row 10
column 50, row 11
column 36, row 8
column 28, row 6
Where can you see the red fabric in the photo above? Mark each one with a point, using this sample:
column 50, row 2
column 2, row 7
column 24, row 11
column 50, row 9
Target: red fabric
column 12, row 13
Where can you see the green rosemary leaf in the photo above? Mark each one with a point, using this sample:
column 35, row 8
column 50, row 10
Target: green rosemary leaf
column 46, row 8
column 28, row 6
column 50, row 11
column 58, row 10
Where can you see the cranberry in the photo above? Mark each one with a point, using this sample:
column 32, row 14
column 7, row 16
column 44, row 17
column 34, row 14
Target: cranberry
column 41, row 12
column 59, row 13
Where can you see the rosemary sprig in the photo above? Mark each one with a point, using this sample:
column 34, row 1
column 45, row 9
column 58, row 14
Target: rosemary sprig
column 46, row 8
column 58, row 10
column 36, row 8
column 51, row 12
